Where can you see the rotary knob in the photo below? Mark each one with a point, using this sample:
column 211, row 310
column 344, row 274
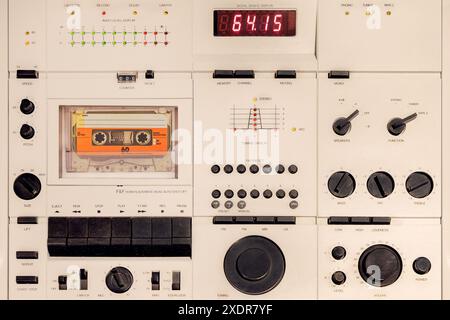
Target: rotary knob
column 339, row 278
column 398, row 125
column 254, row 265
column 342, row 126
column 27, row 107
column 419, row 185
column 381, row 185
column 27, row 132
column 422, row 266
column 119, row 280
column 27, row 186
column 380, row 265
column 341, row 184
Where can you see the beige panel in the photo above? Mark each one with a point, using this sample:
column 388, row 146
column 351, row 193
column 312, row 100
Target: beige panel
column 4, row 146
column 379, row 35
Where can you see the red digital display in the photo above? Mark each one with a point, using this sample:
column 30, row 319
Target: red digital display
column 255, row 23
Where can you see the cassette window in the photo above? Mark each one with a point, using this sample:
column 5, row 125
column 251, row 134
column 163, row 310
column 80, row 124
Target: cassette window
column 117, row 142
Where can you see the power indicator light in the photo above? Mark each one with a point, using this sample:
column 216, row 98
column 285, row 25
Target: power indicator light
column 145, row 33
column 83, row 43
column 104, row 43
column 135, row 13
column 104, row 13
column 389, row 13
column 27, row 43
column 166, row 13
column 294, row 129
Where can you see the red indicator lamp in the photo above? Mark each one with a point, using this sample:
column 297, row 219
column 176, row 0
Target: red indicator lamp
column 255, row 23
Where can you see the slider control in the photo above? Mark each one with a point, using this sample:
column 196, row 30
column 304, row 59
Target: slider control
column 156, row 281
column 342, row 126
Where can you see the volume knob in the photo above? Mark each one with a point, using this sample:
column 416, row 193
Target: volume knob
column 119, row 280
column 341, row 184
column 27, row 186
column 27, row 106
column 27, row 132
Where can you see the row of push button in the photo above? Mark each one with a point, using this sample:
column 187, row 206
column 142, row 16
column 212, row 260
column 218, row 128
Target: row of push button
column 254, row 169
column 255, row 194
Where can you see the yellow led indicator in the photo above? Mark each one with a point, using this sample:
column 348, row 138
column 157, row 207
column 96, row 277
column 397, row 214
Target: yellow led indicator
column 135, row 13
column 389, row 13
column 135, row 43
column 27, row 43
column 124, row 43
column 368, row 13
column 72, row 43
column 114, row 43
column 166, row 13
column 83, row 43
column 104, row 43
column 93, row 43
column 27, row 33
column 294, row 129
column 347, row 13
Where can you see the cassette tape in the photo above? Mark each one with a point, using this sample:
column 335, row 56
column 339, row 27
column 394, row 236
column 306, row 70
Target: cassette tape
column 120, row 134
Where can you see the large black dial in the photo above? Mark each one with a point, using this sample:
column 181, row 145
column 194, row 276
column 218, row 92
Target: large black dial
column 119, row 280
column 254, row 265
column 341, row 184
column 27, row 186
column 380, row 265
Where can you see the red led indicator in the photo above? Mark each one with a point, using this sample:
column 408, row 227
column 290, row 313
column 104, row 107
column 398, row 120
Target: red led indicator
column 255, row 23
column 104, row 13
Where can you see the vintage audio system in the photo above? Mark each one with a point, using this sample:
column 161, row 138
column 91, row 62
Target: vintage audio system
column 224, row 149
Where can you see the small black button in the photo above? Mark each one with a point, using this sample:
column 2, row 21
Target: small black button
column 293, row 169
column 27, row 255
column 223, row 74
column 381, row 221
column 223, row 220
column 338, row 278
column 78, row 227
column 339, row 220
column 254, row 169
column 286, row 74
column 280, row 169
column 57, row 227
column 281, row 194
column 244, row 74
column 265, row 220
column 422, row 266
column 242, row 194
column 286, row 220
column 339, row 75
column 27, row 220
column 241, row 169
column 339, row 253
column 229, row 194
column 149, row 74
column 254, row 194
column 268, row 194
column 360, row 220
column 27, row 74
column 245, row 220
column 267, row 169
column 27, row 280
column 293, row 194
column 228, row 169
column 181, row 227
column 216, row 194
column 215, row 169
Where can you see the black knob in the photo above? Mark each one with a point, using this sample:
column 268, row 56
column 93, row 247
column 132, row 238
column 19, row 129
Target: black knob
column 228, row 169
column 229, row 194
column 293, row 194
column 242, row 194
column 254, row 194
column 419, row 185
column 119, row 280
column 216, row 194
column 267, row 169
column 398, row 125
column 339, row 253
column 338, row 278
column 280, row 169
column 342, row 184
column 254, row 169
column 254, row 265
column 241, row 169
column 281, row 194
column 293, row 169
column 215, row 169
column 27, row 107
column 267, row 194
column 422, row 266
column 342, row 126
column 27, row 186
column 381, row 185
column 27, row 132
column 380, row 265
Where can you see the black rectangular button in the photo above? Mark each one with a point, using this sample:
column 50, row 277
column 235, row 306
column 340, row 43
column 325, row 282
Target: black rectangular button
column 265, row 220
column 286, row 220
column 121, row 228
column 223, row 220
column 78, row 227
column 27, row 74
column 181, row 247
column 181, row 227
column 286, row 74
column 149, row 74
column 244, row 74
column 339, row 220
column 27, row 255
column 57, row 247
column 161, row 228
column 245, row 220
column 339, row 75
column 77, row 247
column 57, row 227
column 27, row 280
column 99, row 228
column 141, row 228
column 27, row 220
column 381, row 220
column 360, row 220
column 223, row 74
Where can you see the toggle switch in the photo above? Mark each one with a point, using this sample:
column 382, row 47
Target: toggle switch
column 156, row 281
column 342, row 126
column 176, row 280
column 397, row 125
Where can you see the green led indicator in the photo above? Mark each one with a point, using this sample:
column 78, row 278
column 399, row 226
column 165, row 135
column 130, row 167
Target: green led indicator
column 93, row 33
column 124, row 43
column 124, row 33
column 135, row 43
column 104, row 32
column 104, row 43
column 93, row 43
column 83, row 33
column 72, row 33
column 114, row 33
column 114, row 43
column 83, row 43
column 135, row 33
column 72, row 43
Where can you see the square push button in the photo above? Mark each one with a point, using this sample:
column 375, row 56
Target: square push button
column 99, row 228
column 141, row 228
column 78, row 228
column 121, row 227
column 57, row 227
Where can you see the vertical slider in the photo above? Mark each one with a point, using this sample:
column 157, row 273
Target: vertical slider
column 155, row 280
column 176, row 280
